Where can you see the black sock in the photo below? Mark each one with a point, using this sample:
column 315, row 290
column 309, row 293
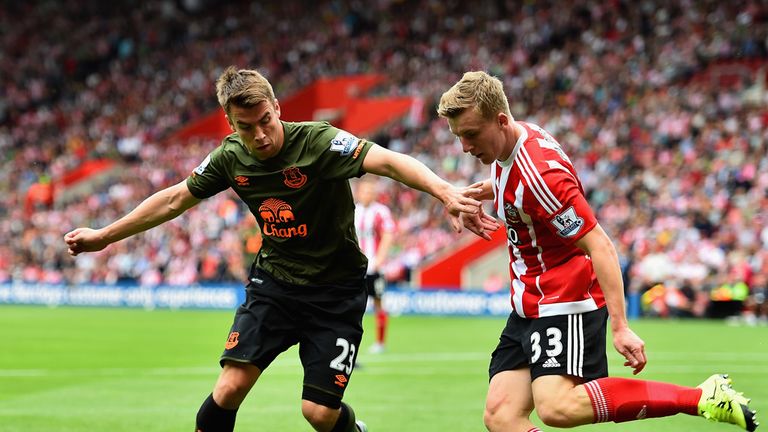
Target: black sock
column 346, row 421
column 213, row 418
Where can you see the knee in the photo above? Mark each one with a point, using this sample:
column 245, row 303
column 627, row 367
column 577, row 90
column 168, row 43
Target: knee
column 228, row 393
column 234, row 384
column 319, row 416
column 498, row 416
column 491, row 419
column 554, row 413
column 494, row 421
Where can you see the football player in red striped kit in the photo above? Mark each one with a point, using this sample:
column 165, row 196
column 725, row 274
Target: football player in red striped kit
column 566, row 282
column 375, row 232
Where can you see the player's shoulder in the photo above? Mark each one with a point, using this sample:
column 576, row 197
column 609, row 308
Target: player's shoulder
column 315, row 134
column 229, row 147
column 320, row 137
column 543, row 151
column 536, row 138
column 308, row 129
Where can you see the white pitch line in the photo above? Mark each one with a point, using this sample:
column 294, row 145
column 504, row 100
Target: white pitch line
column 753, row 364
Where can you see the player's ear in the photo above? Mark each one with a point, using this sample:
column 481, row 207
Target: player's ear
column 229, row 120
column 277, row 108
column 502, row 119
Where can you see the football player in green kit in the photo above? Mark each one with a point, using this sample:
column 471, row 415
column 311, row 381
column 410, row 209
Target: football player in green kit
column 306, row 285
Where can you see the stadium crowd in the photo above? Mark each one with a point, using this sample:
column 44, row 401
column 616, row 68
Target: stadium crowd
column 675, row 164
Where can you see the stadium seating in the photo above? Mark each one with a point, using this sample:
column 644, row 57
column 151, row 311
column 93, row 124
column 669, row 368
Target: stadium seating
column 674, row 161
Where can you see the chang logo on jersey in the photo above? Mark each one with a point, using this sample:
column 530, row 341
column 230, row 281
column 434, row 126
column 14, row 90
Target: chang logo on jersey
column 568, row 224
column 294, row 178
column 279, row 220
column 344, row 143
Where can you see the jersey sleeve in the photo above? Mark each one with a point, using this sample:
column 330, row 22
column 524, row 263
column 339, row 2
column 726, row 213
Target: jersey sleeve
column 562, row 203
column 341, row 154
column 208, row 178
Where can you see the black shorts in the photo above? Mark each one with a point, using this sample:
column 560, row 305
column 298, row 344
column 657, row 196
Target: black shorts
column 374, row 285
column 325, row 321
column 559, row 345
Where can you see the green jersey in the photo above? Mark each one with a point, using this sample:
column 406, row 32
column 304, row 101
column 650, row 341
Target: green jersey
column 301, row 199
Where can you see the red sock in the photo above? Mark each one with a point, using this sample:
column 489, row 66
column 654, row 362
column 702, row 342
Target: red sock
column 535, row 430
column 624, row 399
column 381, row 326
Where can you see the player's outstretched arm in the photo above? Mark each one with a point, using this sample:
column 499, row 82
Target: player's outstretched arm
column 605, row 261
column 160, row 207
column 412, row 173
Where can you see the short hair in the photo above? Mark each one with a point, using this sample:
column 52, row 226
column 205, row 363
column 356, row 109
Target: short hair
column 476, row 90
column 244, row 88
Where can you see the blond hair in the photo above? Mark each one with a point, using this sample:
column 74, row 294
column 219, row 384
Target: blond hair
column 244, row 88
column 476, row 90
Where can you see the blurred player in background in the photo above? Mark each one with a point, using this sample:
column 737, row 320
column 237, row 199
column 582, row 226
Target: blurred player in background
column 306, row 285
column 375, row 232
column 566, row 281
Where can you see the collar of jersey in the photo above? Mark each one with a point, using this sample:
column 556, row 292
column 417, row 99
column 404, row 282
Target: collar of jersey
column 520, row 140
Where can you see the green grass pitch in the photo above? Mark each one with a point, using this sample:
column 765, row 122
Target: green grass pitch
column 88, row 369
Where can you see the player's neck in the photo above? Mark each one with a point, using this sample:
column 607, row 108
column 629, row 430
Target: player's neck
column 512, row 134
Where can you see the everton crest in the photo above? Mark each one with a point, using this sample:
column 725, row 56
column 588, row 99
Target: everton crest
column 294, row 178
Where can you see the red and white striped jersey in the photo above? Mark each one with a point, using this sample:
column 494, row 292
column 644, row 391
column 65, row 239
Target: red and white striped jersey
column 540, row 198
column 371, row 222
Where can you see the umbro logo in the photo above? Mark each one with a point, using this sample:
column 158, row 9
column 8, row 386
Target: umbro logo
column 551, row 363
column 341, row 381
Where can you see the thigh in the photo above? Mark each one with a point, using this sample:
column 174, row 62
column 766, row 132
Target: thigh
column 234, row 383
column 572, row 345
column 510, row 395
column 264, row 326
column 329, row 342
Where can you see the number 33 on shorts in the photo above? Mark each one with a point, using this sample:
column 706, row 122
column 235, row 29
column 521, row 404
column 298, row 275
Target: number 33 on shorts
column 554, row 342
column 567, row 345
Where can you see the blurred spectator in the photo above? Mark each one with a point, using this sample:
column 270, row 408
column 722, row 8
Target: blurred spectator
column 756, row 306
column 727, row 298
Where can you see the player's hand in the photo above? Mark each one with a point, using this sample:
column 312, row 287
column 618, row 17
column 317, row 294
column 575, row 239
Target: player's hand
column 84, row 240
column 480, row 223
column 628, row 344
column 458, row 201
column 474, row 190
column 461, row 200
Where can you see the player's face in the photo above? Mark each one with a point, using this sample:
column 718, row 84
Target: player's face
column 259, row 128
column 365, row 192
column 482, row 138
